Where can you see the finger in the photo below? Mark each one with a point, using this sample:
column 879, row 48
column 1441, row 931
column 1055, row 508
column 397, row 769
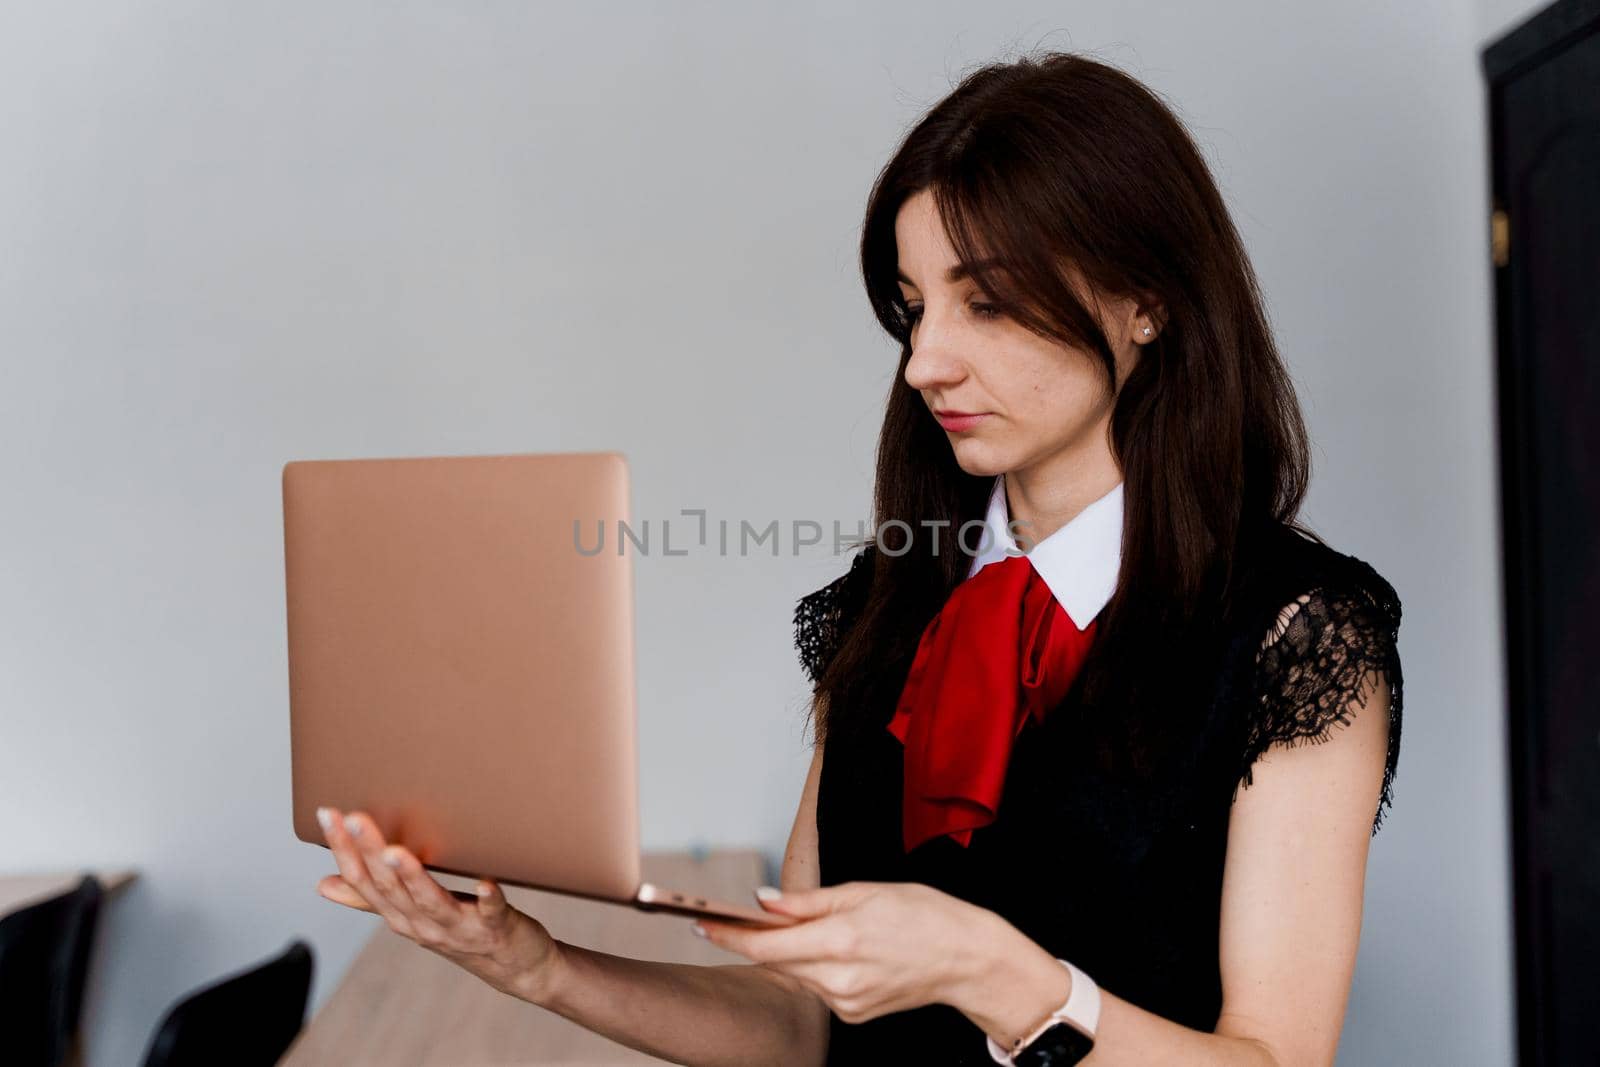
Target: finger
column 370, row 843
column 493, row 907
column 812, row 903
column 352, row 872
column 430, row 897
column 335, row 888
column 811, row 940
column 353, row 868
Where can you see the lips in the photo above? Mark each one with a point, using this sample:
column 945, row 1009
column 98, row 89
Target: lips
column 959, row 421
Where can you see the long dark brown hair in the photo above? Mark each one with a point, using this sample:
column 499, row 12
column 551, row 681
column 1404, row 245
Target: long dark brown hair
column 1058, row 159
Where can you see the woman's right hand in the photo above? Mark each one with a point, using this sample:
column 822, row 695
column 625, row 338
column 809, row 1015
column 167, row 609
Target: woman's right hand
column 506, row 948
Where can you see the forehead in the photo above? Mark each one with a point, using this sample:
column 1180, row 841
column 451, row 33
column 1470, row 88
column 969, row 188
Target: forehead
column 926, row 256
column 924, row 248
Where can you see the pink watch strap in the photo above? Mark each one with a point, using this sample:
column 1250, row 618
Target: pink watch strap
column 1081, row 1010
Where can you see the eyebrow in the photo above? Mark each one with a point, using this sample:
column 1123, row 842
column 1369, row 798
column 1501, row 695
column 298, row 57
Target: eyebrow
column 953, row 274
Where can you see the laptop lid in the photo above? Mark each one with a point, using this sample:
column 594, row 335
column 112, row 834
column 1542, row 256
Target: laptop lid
column 461, row 661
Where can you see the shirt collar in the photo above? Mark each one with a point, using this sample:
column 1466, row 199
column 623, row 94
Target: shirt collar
column 1079, row 563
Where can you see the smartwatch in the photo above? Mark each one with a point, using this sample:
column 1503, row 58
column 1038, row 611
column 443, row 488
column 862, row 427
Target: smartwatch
column 1065, row 1037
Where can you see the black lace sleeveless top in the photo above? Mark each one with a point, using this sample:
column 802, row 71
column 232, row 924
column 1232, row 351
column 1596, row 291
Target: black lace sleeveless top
column 1125, row 881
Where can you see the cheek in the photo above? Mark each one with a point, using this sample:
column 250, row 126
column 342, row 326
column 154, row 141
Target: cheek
column 1061, row 391
column 1056, row 404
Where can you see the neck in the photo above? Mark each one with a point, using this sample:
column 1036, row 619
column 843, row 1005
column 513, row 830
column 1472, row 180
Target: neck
column 1045, row 496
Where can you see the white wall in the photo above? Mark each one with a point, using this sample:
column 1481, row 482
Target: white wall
column 1495, row 18
column 239, row 234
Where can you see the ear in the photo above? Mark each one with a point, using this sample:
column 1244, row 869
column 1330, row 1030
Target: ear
column 1150, row 312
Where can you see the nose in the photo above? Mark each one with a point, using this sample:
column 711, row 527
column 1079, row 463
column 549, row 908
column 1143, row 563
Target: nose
column 935, row 361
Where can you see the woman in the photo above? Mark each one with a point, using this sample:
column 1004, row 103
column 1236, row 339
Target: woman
column 1067, row 807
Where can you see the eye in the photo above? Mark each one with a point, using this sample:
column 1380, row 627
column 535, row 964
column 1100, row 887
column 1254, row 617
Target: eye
column 986, row 311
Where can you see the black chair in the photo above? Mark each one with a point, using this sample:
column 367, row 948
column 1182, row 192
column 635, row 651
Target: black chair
column 244, row 1020
column 44, row 961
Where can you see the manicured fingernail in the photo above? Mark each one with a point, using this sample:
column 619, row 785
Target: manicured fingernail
column 325, row 817
column 767, row 892
column 483, row 890
column 699, row 931
column 391, row 857
column 352, row 826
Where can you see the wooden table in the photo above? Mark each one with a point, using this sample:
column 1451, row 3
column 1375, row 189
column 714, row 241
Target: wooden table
column 17, row 891
column 400, row 1005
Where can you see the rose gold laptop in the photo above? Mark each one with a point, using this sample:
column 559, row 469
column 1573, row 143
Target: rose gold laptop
column 461, row 666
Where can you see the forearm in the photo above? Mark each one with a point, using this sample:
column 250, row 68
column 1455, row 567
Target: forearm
column 1128, row 1034
column 1015, row 984
column 706, row 1016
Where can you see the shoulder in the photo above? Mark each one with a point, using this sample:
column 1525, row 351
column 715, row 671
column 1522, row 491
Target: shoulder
column 1327, row 643
column 823, row 616
column 1286, row 556
column 1290, row 572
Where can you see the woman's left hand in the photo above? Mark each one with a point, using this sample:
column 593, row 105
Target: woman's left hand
column 868, row 948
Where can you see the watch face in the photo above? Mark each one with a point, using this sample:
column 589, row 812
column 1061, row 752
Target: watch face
column 1060, row 1045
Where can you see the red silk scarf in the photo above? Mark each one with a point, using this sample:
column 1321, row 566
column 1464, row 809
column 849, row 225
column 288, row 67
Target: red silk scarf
column 1000, row 650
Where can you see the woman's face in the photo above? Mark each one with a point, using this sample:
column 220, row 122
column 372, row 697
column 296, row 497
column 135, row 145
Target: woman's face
column 1037, row 401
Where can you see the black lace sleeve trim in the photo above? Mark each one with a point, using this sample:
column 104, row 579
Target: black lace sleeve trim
column 823, row 617
column 1311, row 672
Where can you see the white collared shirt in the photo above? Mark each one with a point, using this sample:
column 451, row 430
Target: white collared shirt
column 1079, row 562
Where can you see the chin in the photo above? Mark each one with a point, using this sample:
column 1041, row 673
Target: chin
column 979, row 460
